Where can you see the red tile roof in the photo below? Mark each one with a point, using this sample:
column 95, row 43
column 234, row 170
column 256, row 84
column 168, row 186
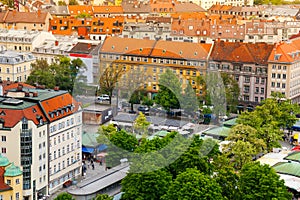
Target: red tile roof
column 241, row 52
column 286, row 51
column 3, row 185
column 25, row 17
column 154, row 48
column 127, row 46
column 185, row 50
column 13, row 116
column 108, row 9
column 59, row 102
column 7, row 85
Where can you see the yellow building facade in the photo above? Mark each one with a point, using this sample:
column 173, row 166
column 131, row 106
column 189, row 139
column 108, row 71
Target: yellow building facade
column 10, row 180
column 143, row 61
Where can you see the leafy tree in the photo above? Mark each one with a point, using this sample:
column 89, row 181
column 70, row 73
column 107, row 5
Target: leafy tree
column 64, row 196
column 9, row 3
column 268, row 119
column 103, row 197
column 169, row 92
column 261, row 182
column 62, row 74
column 244, row 144
column 190, row 102
column 41, row 74
column 134, row 99
column 109, row 79
column 147, row 101
column 191, row 185
column 226, row 177
column 141, row 124
column 148, row 186
column 73, row 2
column 197, row 156
column 232, row 91
column 62, row 3
column 120, row 144
column 83, row 15
column 217, row 94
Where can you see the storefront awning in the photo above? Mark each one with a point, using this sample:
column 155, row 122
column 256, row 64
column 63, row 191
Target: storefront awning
column 87, row 150
column 102, row 147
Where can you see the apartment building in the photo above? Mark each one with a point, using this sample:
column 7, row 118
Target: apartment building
column 41, row 130
column 150, row 58
column 31, row 21
column 270, row 31
column 204, row 29
column 22, row 40
column 15, row 66
column 148, row 30
column 50, row 49
column 87, row 28
column 248, row 64
column 11, row 179
column 88, row 53
column 284, row 70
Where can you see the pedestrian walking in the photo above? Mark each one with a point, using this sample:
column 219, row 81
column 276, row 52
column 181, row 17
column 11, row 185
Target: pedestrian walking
column 92, row 163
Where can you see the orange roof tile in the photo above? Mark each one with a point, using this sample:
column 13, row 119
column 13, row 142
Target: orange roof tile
column 77, row 9
column 25, row 17
column 8, row 86
column 108, row 9
column 13, row 116
column 3, row 185
column 241, row 52
column 127, row 46
column 59, row 102
column 286, row 51
column 183, row 50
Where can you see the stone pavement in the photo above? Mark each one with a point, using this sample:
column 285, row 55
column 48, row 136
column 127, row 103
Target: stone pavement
column 90, row 173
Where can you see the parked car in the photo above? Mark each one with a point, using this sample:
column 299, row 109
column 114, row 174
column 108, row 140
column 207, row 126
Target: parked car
column 103, row 97
column 143, row 109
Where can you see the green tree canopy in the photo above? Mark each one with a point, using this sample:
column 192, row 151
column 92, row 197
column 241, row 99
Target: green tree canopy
column 169, row 92
column 274, row 114
column 261, row 182
column 103, row 197
column 120, row 144
column 232, row 91
column 62, row 74
column 226, row 177
column 73, row 2
column 244, row 144
column 64, row 196
column 141, row 124
column 192, row 184
column 190, row 103
column 146, row 186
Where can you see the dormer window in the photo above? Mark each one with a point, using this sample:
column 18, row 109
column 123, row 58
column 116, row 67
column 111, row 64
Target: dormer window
column 33, row 110
column 277, row 56
column 2, row 113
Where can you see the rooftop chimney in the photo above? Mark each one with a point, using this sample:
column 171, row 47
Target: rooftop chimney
column 34, row 94
column 56, row 88
column 56, row 43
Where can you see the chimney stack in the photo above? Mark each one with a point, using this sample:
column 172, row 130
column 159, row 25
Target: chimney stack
column 56, row 88
column 56, row 43
column 34, row 94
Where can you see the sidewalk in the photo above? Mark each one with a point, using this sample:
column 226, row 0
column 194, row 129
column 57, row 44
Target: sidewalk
column 90, row 174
